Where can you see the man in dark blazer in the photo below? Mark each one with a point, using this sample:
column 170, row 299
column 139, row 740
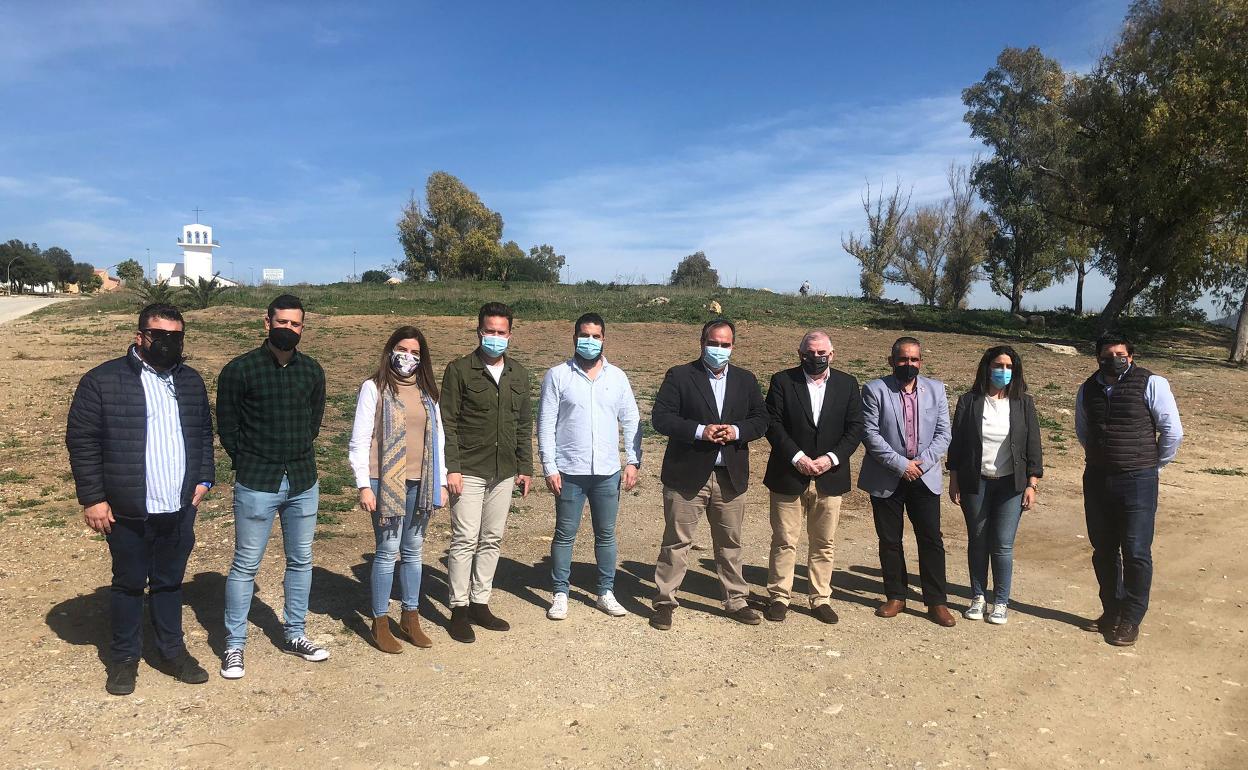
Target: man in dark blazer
column 816, row 424
column 710, row 412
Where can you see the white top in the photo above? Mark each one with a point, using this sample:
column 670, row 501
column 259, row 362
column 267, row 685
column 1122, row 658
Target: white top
column 579, row 421
column 362, row 435
column 496, row 370
column 817, row 388
column 996, row 460
column 719, row 388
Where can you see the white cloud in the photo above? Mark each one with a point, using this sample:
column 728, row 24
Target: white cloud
column 56, row 188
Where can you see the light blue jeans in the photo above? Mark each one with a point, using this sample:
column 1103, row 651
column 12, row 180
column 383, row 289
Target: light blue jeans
column 404, row 538
column 603, row 493
column 992, row 516
column 253, row 523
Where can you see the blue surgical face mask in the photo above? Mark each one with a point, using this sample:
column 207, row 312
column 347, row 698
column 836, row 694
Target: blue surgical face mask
column 588, row 348
column 493, row 345
column 715, row 357
column 1001, row 377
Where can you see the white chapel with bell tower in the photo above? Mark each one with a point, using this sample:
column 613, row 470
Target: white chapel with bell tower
column 197, row 245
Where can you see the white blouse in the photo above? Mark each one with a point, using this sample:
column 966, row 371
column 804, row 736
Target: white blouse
column 996, row 460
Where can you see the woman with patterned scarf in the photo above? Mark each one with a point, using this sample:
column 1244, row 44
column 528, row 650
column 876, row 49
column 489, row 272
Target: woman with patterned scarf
column 396, row 454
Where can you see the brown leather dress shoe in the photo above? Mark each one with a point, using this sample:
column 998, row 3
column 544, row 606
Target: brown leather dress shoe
column 890, row 608
column 1105, row 624
column 409, row 624
column 746, row 615
column 776, row 612
column 661, row 620
column 383, row 638
column 1124, row 634
column 824, row 613
column 941, row 616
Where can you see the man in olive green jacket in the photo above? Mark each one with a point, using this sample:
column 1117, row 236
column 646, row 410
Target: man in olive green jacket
column 489, row 426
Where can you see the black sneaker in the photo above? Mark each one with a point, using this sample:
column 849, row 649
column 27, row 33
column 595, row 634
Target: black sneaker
column 121, row 677
column 232, row 663
column 186, row 669
column 304, row 648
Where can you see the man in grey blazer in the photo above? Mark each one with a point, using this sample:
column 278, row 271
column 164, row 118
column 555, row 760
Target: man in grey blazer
column 906, row 432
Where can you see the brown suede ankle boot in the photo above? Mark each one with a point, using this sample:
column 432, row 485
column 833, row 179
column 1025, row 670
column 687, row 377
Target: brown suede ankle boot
column 383, row 638
column 410, row 626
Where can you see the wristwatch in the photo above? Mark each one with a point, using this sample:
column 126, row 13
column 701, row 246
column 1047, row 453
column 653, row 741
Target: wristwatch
column 1035, row 486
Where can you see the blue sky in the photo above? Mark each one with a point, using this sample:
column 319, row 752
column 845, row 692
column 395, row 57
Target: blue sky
column 625, row 134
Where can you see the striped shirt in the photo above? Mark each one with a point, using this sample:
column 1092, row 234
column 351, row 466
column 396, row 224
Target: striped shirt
column 165, row 451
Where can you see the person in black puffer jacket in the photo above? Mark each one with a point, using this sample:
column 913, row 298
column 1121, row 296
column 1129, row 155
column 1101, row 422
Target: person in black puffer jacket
column 139, row 435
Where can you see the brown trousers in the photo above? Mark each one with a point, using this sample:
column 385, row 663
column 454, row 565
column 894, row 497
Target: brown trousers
column 724, row 508
column 822, row 512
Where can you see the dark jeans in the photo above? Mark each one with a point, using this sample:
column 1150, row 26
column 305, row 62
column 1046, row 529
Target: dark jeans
column 149, row 554
column 1120, row 509
column 992, row 513
column 923, row 507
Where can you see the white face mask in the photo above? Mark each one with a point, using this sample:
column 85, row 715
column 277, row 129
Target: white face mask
column 404, row 364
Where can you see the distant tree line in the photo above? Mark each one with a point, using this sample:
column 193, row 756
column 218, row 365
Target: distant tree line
column 1137, row 169
column 27, row 266
column 452, row 234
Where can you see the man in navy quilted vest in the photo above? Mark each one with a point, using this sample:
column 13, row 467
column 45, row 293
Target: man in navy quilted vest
column 140, row 445
column 1128, row 422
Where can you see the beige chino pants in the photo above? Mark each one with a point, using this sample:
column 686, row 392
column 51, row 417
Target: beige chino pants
column 478, row 520
column 724, row 508
column 822, row 512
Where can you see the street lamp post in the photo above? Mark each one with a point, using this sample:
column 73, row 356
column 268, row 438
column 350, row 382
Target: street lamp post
column 8, row 274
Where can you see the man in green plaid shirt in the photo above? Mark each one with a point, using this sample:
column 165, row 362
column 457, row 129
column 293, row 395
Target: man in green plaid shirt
column 270, row 402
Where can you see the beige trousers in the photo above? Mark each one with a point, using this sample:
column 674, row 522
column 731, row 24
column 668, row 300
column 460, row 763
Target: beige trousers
column 478, row 519
column 724, row 508
column 822, row 512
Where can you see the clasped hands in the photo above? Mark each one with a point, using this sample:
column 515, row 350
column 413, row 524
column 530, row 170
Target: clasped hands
column 719, row 434
column 816, row 466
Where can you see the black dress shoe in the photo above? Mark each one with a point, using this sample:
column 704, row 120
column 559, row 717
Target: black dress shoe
column 1124, row 634
column 776, row 612
column 745, row 615
column 825, row 613
column 481, row 615
column 186, row 669
column 121, row 677
column 460, row 628
column 661, row 620
column 1105, row 624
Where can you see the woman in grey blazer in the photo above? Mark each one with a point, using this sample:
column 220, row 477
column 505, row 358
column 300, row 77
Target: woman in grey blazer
column 995, row 463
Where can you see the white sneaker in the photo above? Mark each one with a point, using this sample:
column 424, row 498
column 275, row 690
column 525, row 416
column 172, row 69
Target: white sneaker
column 609, row 605
column 998, row 616
column 976, row 610
column 559, row 607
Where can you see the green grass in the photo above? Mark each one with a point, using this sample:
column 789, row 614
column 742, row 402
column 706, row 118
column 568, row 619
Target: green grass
column 13, row 477
column 630, row 303
column 1048, row 422
column 1225, row 471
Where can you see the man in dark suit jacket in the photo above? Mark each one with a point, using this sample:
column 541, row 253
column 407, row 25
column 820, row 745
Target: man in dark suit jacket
column 816, row 424
column 709, row 412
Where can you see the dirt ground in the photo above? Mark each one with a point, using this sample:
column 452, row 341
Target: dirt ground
column 595, row 691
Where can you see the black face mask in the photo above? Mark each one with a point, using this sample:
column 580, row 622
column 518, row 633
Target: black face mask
column 814, row 365
column 905, row 372
column 1115, row 366
column 282, row 338
column 163, row 349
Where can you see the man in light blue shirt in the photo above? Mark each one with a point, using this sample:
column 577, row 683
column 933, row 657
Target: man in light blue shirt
column 586, row 403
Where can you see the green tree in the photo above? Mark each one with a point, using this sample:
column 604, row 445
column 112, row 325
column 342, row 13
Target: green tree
column 876, row 249
column 374, row 276
column 1016, row 110
column 205, row 292
column 130, row 271
column 969, row 231
column 1159, row 160
column 546, row 264
column 25, row 265
column 453, row 235
column 83, row 275
column 62, row 263
column 695, row 271
column 923, row 244
column 148, row 293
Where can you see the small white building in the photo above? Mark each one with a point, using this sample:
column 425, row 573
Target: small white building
column 197, row 245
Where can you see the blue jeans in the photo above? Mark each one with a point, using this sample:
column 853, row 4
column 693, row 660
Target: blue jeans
column 1120, row 509
column 603, row 493
column 406, row 538
column 992, row 514
column 253, row 523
